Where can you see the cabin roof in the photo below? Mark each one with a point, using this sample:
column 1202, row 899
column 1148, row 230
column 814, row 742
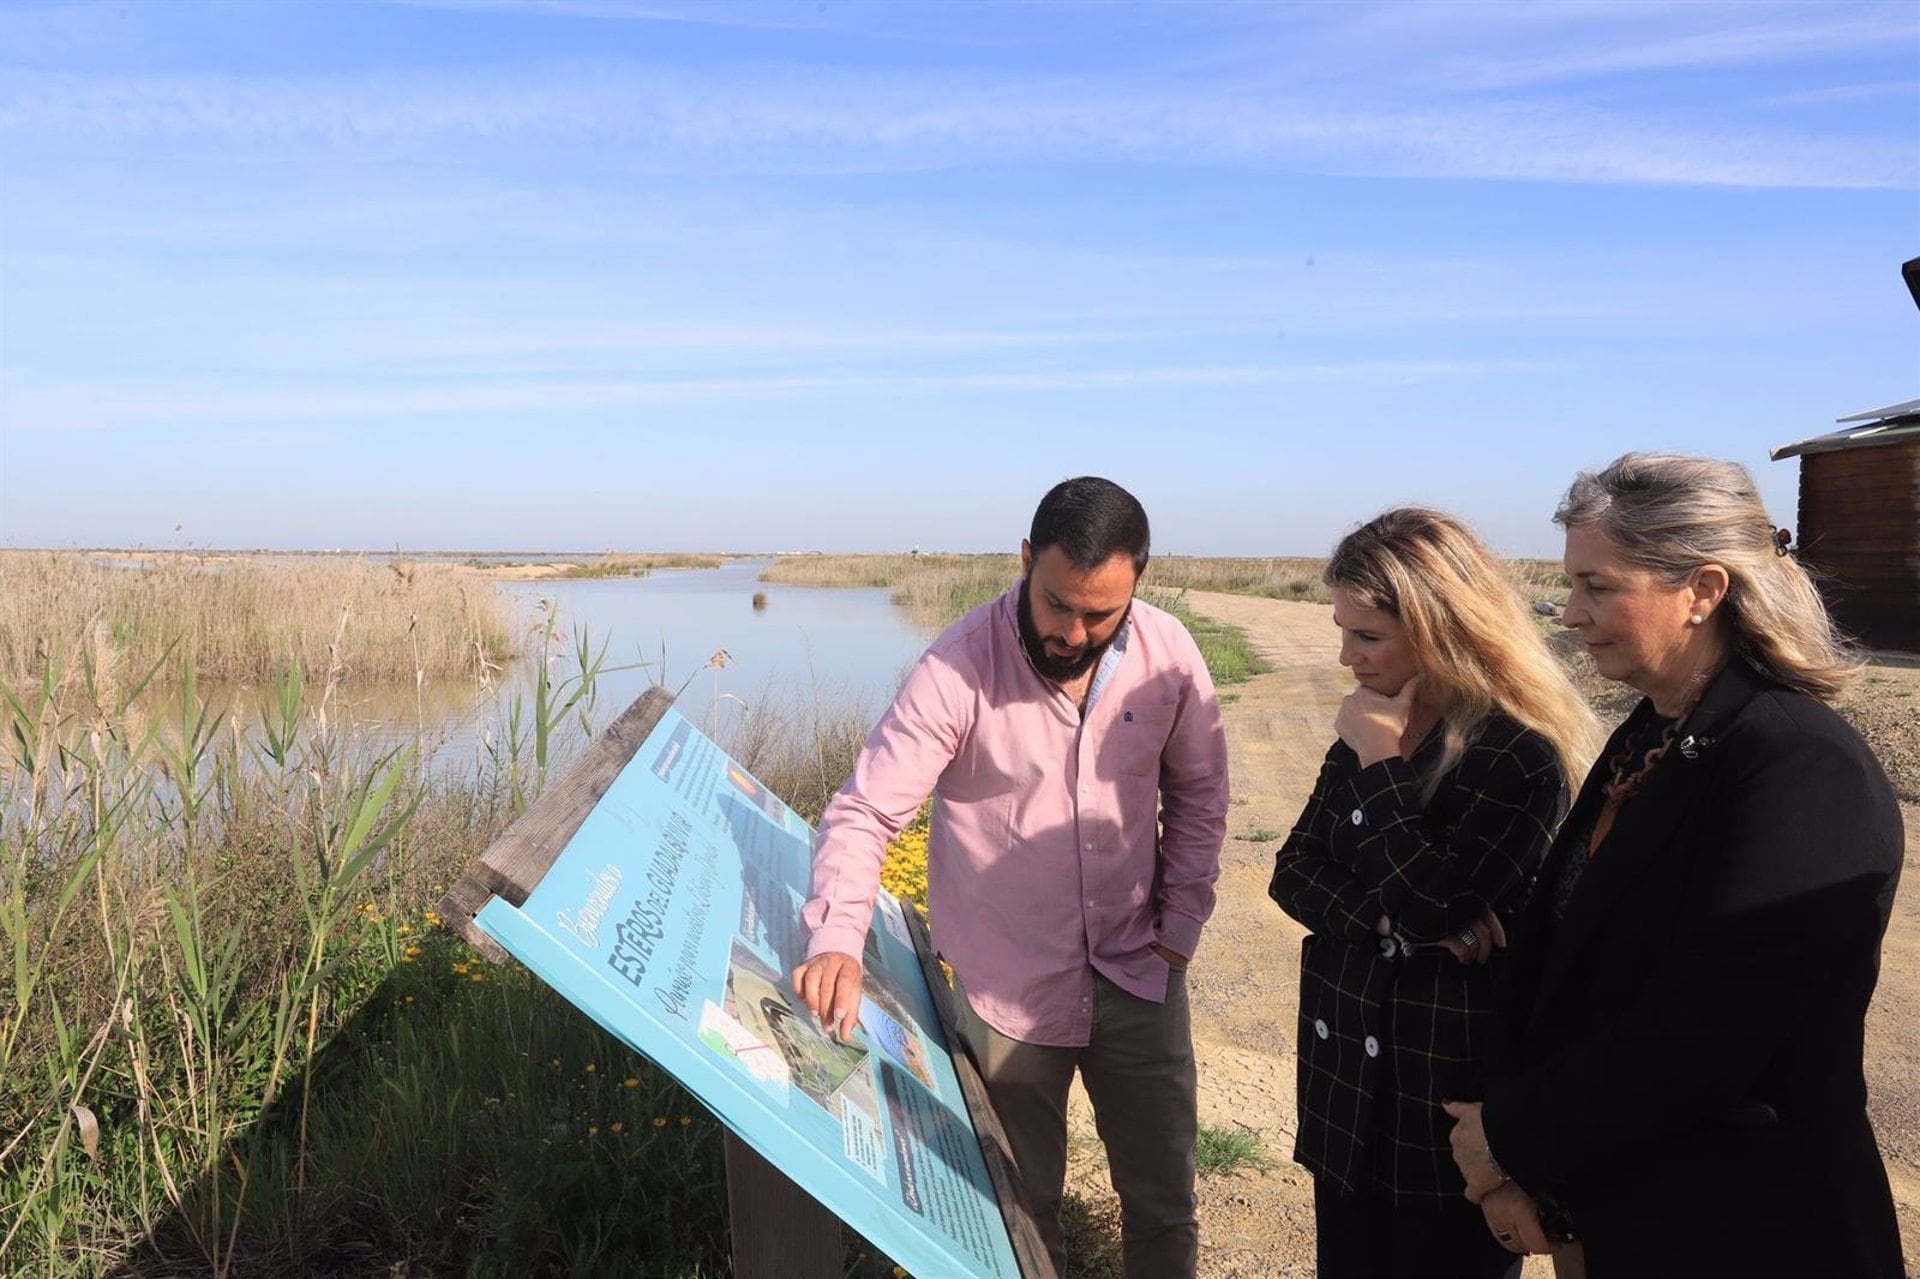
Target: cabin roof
column 1891, row 425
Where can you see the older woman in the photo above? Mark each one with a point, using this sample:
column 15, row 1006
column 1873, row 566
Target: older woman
column 1678, row 1080
column 1429, row 817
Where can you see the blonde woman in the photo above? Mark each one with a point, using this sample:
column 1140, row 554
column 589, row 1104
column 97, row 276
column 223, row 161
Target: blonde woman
column 1429, row 817
column 1677, row 1079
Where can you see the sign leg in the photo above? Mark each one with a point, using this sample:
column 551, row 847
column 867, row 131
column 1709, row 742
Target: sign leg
column 779, row 1230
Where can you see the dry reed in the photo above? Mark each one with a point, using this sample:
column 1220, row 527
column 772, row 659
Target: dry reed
column 938, row 588
column 1283, row 577
column 801, row 747
column 246, row 619
column 934, row 589
column 629, row 564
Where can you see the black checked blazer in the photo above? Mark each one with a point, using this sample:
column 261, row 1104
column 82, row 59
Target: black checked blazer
column 1677, row 1060
column 1391, row 1021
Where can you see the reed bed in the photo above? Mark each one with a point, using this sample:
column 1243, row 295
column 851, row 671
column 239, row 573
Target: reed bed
column 1283, row 577
column 235, row 1039
column 625, row 564
column 802, row 747
column 245, row 620
column 870, row 570
column 939, row 588
column 934, row 589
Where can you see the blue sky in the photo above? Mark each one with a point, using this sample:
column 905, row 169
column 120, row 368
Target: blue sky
column 589, row 273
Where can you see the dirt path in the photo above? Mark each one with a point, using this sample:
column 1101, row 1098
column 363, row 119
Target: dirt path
column 1244, row 982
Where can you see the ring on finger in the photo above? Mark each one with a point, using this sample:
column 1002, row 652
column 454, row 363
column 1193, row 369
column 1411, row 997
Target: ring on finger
column 1469, row 938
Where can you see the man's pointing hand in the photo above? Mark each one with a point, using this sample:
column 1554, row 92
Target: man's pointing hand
column 829, row 985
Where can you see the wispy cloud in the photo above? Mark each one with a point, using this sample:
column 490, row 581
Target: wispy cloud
column 734, row 15
column 788, row 120
column 779, row 341
column 111, row 406
column 1587, row 45
column 1846, row 93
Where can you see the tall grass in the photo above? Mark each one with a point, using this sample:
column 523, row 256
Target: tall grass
column 944, row 586
column 626, row 564
column 802, row 747
column 934, row 589
column 233, row 1038
column 246, row 620
column 940, row 588
column 188, row 907
column 1298, row 577
column 1282, row 577
column 235, row 1041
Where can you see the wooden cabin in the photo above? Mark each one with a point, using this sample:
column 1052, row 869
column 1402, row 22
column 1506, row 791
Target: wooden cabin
column 1859, row 529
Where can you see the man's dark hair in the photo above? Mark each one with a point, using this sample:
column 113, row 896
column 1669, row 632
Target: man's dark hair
column 1091, row 520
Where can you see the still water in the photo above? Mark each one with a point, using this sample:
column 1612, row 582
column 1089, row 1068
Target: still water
column 835, row 649
column 808, row 642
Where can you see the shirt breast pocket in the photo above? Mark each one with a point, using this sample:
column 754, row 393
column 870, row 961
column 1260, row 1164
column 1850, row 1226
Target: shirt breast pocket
column 1139, row 736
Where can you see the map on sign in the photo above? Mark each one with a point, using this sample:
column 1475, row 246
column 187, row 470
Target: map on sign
column 672, row 917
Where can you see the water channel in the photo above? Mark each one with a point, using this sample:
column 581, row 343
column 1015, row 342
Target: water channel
column 695, row 632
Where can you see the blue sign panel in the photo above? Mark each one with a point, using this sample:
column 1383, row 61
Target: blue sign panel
column 672, row 918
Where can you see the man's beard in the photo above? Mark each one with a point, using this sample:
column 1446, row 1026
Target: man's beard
column 1057, row 669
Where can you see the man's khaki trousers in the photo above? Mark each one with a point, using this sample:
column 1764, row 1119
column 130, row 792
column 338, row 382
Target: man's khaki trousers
column 1139, row 1074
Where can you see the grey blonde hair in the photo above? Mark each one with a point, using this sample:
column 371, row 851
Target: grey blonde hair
column 1671, row 514
column 1476, row 647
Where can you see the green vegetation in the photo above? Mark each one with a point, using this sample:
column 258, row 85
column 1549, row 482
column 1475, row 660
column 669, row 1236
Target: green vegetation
column 236, row 1039
column 1229, row 657
column 1092, row 1229
column 1223, row 1152
column 1262, row 836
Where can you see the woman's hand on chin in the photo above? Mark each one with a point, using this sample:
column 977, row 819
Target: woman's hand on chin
column 1372, row 724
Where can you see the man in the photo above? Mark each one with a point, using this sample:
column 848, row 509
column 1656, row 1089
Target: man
column 1071, row 739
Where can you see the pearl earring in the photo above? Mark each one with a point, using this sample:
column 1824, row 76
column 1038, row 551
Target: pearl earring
column 1696, row 619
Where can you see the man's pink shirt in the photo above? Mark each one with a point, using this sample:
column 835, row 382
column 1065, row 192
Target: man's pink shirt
column 1059, row 846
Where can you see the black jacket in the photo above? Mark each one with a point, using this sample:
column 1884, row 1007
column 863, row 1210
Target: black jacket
column 1381, row 1024
column 1679, row 1060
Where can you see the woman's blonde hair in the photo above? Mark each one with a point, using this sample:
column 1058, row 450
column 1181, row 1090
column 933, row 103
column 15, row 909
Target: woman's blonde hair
column 1671, row 514
column 1474, row 641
